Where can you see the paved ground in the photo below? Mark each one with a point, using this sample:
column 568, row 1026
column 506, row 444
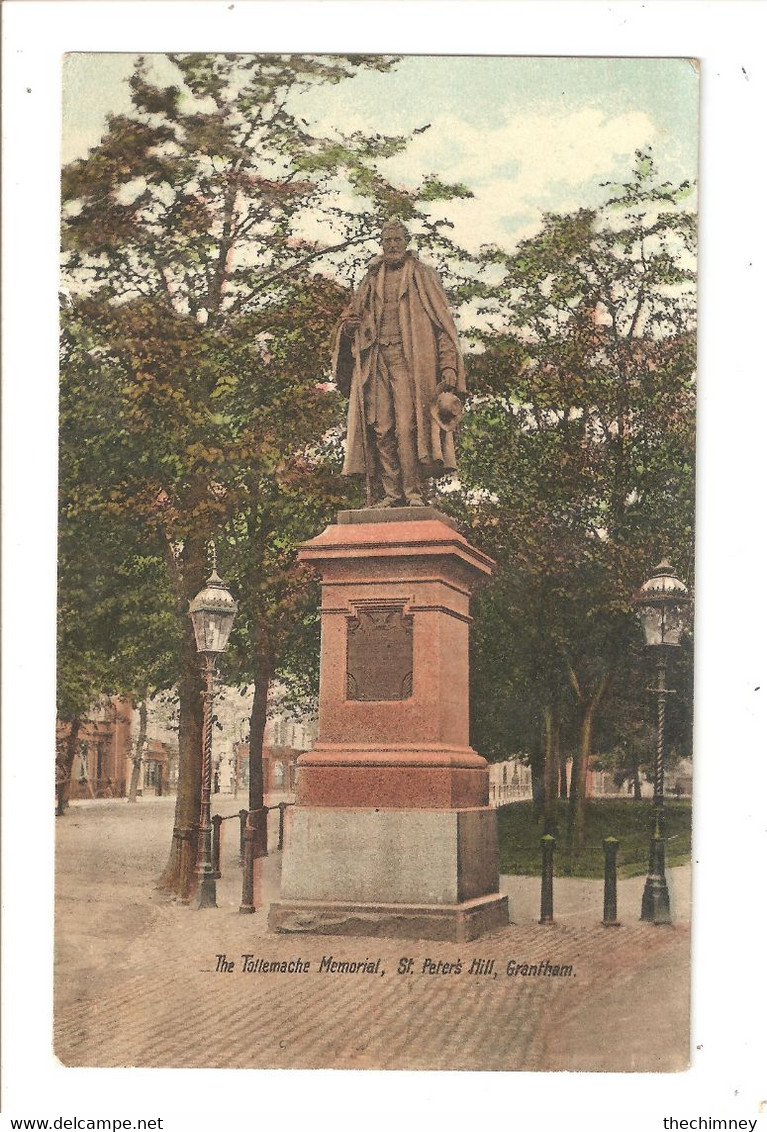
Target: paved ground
column 136, row 981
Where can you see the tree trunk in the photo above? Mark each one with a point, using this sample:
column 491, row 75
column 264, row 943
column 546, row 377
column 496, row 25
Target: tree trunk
column 138, row 753
column 263, row 673
column 577, row 823
column 537, row 763
column 563, row 792
column 577, row 815
column 64, row 768
column 179, row 877
column 536, row 773
column 551, row 764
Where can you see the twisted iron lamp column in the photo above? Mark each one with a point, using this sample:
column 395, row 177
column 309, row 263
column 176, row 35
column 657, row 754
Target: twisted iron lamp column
column 656, row 907
column 206, row 886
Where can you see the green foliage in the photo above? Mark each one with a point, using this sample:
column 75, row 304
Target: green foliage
column 577, row 465
column 520, row 830
column 198, row 197
column 199, row 322
column 117, row 625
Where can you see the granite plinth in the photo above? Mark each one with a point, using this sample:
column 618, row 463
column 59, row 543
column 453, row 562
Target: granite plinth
column 392, row 834
column 414, row 750
column 390, row 856
column 332, row 776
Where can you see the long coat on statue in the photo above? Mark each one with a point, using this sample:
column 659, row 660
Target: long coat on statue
column 430, row 345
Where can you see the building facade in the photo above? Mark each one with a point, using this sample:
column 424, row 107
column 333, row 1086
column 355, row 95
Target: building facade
column 102, row 762
column 104, row 749
column 106, row 741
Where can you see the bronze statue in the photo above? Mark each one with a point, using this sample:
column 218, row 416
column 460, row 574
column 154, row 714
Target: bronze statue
column 396, row 357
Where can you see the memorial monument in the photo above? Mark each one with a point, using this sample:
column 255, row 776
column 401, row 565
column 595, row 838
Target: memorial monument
column 392, row 833
column 396, row 353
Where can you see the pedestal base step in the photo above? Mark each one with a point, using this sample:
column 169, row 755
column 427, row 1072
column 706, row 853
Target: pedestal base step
column 457, row 923
column 395, row 515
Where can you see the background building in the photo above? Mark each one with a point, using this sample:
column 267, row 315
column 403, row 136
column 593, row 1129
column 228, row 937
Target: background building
column 106, row 744
column 102, row 763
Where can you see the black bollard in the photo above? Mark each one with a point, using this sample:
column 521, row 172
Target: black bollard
column 247, row 905
column 547, row 879
column 216, row 853
column 243, row 816
column 610, row 918
column 281, row 837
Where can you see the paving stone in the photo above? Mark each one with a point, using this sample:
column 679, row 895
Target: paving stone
column 136, row 983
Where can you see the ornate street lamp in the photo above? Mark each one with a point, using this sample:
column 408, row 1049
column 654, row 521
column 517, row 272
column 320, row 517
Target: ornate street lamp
column 661, row 604
column 212, row 613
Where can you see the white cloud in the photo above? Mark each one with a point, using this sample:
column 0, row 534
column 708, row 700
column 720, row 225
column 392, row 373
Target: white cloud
column 529, row 151
column 570, row 149
column 488, row 218
column 522, row 166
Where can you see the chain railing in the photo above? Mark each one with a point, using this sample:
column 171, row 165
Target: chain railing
column 217, row 821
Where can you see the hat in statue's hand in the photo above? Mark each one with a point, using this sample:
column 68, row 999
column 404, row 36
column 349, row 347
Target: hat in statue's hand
column 446, row 408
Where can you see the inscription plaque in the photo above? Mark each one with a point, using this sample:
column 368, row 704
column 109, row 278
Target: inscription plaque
column 379, row 655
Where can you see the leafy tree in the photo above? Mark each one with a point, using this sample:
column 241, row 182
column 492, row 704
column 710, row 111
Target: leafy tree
column 582, row 445
column 191, row 254
column 116, row 633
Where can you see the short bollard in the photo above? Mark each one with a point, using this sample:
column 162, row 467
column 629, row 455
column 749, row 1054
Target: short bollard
column 243, row 816
column 610, row 918
column 547, row 879
column 247, row 905
column 281, row 837
column 216, row 852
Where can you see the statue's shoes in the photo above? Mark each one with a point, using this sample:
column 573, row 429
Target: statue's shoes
column 383, row 503
column 417, row 502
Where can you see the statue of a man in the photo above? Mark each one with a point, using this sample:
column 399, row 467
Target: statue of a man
column 396, row 356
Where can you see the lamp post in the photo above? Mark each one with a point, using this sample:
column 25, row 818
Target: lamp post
column 661, row 604
column 212, row 613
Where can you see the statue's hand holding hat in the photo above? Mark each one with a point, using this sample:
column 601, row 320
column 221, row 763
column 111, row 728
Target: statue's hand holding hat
column 446, row 407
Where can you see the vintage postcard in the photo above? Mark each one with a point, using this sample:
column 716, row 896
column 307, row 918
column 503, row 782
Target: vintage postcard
column 367, row 424
column 384, row 365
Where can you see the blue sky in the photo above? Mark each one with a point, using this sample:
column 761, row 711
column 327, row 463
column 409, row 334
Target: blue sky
column 525, row 134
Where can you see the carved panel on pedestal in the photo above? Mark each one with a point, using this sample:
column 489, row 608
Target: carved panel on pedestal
column 379, row 654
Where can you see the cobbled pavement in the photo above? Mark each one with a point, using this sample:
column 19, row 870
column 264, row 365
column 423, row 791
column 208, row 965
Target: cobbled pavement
column 135, row 979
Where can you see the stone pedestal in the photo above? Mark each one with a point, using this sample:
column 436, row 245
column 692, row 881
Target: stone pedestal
column 392, row 833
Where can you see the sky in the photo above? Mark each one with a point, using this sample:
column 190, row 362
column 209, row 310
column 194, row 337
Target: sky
column 526, row 135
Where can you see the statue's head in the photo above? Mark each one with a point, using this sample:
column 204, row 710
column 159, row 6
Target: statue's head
column 394, row 241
